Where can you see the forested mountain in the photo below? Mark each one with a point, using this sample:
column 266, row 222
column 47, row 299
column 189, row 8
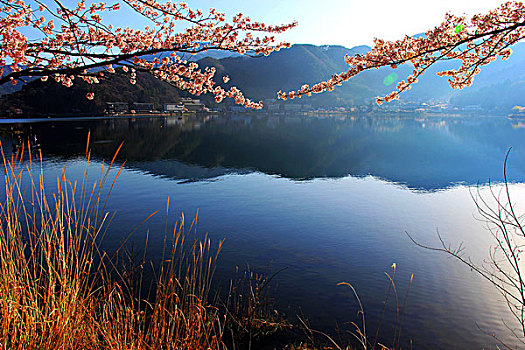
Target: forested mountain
column 500, row 85
column 289, row 69
column 49, row 97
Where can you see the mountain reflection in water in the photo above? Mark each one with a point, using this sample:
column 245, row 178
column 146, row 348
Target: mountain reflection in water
column 330, row 199
column 421, row 153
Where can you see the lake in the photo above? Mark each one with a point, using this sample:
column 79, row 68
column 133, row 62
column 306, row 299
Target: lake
column 328, row 200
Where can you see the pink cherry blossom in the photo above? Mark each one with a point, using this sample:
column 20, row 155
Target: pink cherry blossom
column 475, row 42
column 76, row 41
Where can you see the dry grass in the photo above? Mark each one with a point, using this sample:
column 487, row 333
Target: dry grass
column 58, row 290
column 251, row 317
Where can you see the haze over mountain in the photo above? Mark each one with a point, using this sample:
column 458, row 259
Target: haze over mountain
column 500, row 85
column 289, row 69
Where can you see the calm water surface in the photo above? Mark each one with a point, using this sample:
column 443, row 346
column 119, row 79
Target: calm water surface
column 329, row 199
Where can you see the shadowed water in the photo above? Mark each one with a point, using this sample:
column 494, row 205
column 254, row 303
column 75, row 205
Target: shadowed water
column 328, row 199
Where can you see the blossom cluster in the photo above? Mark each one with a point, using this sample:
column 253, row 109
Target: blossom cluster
column 475, row 42
column 52, row 40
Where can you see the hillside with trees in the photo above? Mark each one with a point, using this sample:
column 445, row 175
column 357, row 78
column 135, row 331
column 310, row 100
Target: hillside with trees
column 51, row 98
column 500, row 85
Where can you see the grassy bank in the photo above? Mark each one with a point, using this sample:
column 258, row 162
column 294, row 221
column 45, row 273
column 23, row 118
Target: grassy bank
column 60, row 290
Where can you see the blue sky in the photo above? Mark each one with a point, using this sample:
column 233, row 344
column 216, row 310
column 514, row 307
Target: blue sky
column 348, row 22
column 331, row 22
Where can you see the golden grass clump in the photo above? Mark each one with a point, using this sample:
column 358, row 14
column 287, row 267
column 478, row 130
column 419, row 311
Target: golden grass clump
column 59, row 290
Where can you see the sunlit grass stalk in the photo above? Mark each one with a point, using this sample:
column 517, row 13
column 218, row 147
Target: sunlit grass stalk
column 58, row 290
column 46, row 264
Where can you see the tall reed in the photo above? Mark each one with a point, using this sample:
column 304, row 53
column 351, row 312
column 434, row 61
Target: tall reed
column 59, row 290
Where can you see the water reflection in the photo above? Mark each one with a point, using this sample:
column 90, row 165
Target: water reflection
column 331, row 228
column 421, row 153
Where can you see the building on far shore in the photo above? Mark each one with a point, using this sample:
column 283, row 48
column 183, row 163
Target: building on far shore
column 124, row 107
column 185, row 105
column 173, row 108
column 292, row 107
column 140, row 107
column 117, row 107
column 191, row 105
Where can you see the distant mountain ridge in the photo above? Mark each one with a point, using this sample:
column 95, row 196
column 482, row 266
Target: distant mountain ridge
column 500, row 85
column 289, row 69
column 51, row 98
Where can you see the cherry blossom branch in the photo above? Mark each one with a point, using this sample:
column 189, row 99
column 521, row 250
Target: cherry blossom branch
column 82, row 45
column 498, row 30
